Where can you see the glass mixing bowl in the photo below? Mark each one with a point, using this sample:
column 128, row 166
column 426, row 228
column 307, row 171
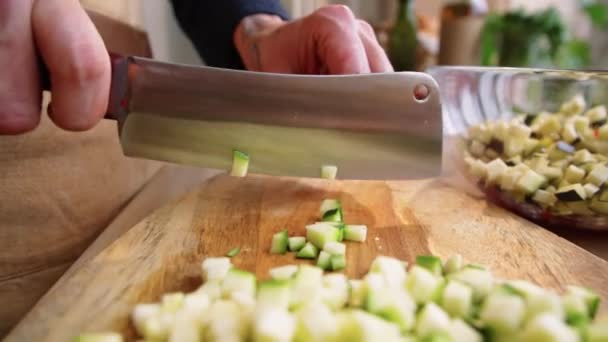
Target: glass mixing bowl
column 472, row 96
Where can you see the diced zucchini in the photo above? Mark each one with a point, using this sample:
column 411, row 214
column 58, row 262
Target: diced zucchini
column 580, row 208
column 391, row 303
column 324, row 260
column 551, row 172
column 295, row 243
column 283, row 272
column 339, row 226
column 574, row 174
column 316, row 322
column 225, row 322
column 329, row 171
column 431, row 263
column 530, row 145
column 503, row 312
column 360, row 326
column 509, row 178
column 514, row 147
column 158, row 327
column 99, row 337
column 481, row 281
column 597, row 332
column 195, row 304
column 560, row 164
column 334, row 215
column 354, row 232
column 309, row 251
column 569, row 133
column 357, row 293
column 171, row 302
column 575, row 309
column 548, row 328
column 596, row 114
column 338, row 262
column 321, row 233
column 335, row 290
column 185, row 328
column 530, row 181
column 571, row 193
column 327, row 205
column 279, row 242
column 238, row 281
column 211, row 289
column 544, row 198
column 392, row 270
column 495, row 169
column 459, row 331
column 453, row 264
column 477, row 168
column 583, row 157
column 306, row 286
column 491, row 154
column 581, row 124
column 538, row 300
column 477, row 148
column 240, row 164
column 592, row 299
column 432, row 319
column 422, row 284
column 574, row 106
column 457, row 299
column 142, row 313
column 480, row 133
column 603, row 132
column 233, row 252
column 551, row 125
column 273, row 294
column 276, row 325
column 215, row 268
column 519, row 131
column 335, row 248
column 598, row 175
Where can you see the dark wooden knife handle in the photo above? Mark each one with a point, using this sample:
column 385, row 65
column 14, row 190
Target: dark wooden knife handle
column 118, row 97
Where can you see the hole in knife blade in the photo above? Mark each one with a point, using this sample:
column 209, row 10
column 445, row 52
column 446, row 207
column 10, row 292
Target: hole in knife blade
column 421, row 93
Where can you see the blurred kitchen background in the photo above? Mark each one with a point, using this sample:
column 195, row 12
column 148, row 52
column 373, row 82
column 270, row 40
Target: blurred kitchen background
column 417, row 34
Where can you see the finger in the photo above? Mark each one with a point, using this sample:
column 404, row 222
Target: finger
column 77, row 61
column 336, row 35
column 20, row 93
column 376, row 56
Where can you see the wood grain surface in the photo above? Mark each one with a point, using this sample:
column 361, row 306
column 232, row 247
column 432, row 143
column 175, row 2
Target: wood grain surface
column 163, row 252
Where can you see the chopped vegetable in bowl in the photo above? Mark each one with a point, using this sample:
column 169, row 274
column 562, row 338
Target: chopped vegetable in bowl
column 546, row 166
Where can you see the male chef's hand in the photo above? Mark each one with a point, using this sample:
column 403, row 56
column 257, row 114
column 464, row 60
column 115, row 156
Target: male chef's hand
column 61, row 34
column 329, row 41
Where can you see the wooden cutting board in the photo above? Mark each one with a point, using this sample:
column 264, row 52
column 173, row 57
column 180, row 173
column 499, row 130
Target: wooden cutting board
column 163, row 252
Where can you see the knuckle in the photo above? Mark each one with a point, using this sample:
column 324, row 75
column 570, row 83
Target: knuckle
column 366, row 27
column 85, row 65
column 336, row 13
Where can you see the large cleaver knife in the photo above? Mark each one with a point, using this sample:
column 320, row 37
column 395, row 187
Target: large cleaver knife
column 372, row 126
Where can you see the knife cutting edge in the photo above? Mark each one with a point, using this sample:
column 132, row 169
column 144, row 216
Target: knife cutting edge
column 371, row 126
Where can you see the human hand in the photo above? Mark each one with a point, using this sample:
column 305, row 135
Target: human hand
column 329, row 41
column 62, row 35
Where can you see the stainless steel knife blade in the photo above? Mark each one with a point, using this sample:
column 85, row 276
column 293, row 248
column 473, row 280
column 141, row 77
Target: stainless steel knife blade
column 370, row 126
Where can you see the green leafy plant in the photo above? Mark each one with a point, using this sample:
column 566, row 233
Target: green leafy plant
column 520, row 39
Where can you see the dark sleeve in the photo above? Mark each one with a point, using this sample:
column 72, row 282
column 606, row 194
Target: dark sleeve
column 210, row 25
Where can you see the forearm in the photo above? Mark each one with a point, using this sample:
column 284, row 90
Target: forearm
column 211, row 25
